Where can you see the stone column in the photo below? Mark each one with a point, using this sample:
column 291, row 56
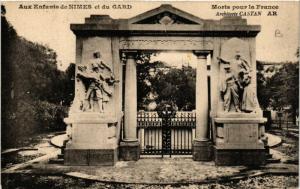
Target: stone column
column 129, row 147
column 130, row 107
column 202, row 148
column 201, row 97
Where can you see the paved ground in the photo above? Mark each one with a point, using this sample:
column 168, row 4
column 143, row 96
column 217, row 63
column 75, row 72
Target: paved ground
column 155, row 171
column 162, row 171
column 60, row 182
column 37, row 151
column 145, row 171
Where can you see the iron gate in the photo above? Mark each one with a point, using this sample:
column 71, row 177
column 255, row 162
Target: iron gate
column 166, row 133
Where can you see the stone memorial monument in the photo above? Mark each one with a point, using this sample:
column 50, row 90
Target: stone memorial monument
column 239, row 130
column 102, row 122
column 91, row 122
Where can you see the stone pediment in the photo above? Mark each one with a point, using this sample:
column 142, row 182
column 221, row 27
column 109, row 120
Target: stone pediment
column 166, row 15
column 165, row 20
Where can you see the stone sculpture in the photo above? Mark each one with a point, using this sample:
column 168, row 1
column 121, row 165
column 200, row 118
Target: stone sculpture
column 235, row 87
column 230, row 90
column 249, row 101
column 98, row 79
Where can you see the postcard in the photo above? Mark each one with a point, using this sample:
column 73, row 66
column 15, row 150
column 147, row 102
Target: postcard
column 149, row 94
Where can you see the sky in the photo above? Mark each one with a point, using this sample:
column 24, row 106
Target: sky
column 52, row 27
column 176, row 59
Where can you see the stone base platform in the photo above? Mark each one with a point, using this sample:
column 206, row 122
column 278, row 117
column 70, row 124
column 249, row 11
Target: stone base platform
column 239, row 140
column 249, row 157
column 92, row 139
column 129, row 151
column 91, row 157
column 202, row 150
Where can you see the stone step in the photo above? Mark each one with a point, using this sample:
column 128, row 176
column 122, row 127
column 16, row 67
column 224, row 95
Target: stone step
column 292, row 161
column 268, row 156
column 56, row 161
column 60, row 156
column 272, row 160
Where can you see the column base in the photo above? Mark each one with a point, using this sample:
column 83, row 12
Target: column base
column 202, row 150
column 91, row 157
column 129, row 151
column 248, row 157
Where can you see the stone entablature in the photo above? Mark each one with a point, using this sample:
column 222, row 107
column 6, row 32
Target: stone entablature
column 166, row 24
column 162, row 30
column 167, row 43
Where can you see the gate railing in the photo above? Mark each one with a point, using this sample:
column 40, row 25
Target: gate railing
column 182, row 127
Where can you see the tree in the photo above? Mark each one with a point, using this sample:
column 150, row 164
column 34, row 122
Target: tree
column 177, row 86
column 69, row 85
column 144, row 67
column 284, row 86
column 281, row 90
column 166, row 83
column 35, row 94
column 263, row 90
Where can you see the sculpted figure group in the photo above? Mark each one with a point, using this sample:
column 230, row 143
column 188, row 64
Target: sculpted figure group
column 235, row 88
column 98, row 79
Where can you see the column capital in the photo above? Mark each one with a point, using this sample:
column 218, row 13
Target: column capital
column 130, row 54
column 201, row 54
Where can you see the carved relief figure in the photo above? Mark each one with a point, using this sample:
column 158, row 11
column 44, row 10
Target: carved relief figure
column 240, row 62
column 230, row 90
column 238, row 81
column 97, row 77
column 249, row 102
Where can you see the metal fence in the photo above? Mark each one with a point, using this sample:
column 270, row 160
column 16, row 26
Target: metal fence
column 166, row 135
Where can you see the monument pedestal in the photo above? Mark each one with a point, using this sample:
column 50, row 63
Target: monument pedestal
column 93, row 140
column 202, row 150
column 129, row 151
column 233, row 157
column 239, row 141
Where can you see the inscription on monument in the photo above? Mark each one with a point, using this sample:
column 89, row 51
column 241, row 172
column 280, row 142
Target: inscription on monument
column 165, row 44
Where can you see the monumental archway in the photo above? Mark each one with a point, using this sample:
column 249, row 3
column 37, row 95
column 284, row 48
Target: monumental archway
column 96, row 116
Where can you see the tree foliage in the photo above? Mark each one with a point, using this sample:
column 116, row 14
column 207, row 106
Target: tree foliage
column 34, row 92
column 281, row 90
column 167, row 84
column 284, row 86
column 177, row 86
column 143, row 75
column 263, row 90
